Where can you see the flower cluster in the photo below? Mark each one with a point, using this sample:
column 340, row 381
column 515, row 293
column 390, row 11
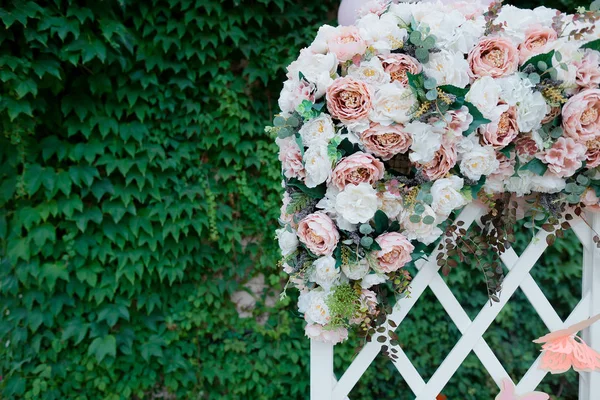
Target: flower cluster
column 390, row 126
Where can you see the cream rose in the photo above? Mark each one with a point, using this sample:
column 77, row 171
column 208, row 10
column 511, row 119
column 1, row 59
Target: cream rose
column 370, row 72
column 426, row 141
column 288, row 241
column 446, row 195
column 481, row 160
column 357, row 203
column 317, row 165
column 424, row 233
column 485, row 95
column 392, row 103
column 317, row 130
column 448, row 68
column 356, row 270
column 325, row 274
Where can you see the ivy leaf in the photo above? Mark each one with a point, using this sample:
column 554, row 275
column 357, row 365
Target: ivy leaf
column 536, row 166
column 478, row 119
column 102, row 347
column 43, row 234
column 51, row 272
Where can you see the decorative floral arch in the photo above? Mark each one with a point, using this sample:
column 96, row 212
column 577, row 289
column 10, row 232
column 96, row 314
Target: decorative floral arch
column 388, row 127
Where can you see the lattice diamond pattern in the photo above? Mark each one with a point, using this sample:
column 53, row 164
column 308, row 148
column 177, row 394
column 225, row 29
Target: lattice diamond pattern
column 325, row 388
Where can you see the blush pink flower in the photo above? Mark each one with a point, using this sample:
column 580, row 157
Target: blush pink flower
column 501, row 133
column 587, row 75
column 318, row 233
column 581, row 116
column 493, row 57
column 536, row 42
column 386, row 141
column 526, row 146
column 554, row 112
column 326, row 334
column 443, row 161
column 358, row 168
column 593, row 154
column 564, row 157
column 397, row 65
column 395, row 251
column 458, row 121
column 590, row 199
column 291, row 158
column 349, row 100
column 346, row 43
column 284, row 216
column 469, row 9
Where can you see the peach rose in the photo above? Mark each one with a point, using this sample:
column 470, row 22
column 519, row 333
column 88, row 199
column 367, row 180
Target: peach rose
column 536, row 41
column 346, row 43
column 318, row 232
column 493, row 57
column 443, row 161
column 593, row 154
column 358, row 168
column 386, row 141
column 349, row 100
column 564, row 157
column 291, row 158
column 554, row 112
column 501, row 133
column 581, row 119
column 327, row 335
column 395, row 251
column 587, row 75
column 397, row 65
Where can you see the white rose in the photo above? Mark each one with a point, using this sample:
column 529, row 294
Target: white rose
column 516, row 21
column 304, row 301
column 317, row 311
column 382, row 33
column 403, row 12
column 319, row 45
column 292, row 94
column 371, row 280
column 317, row 165
column 370, row 72
column 426, row 140
column 357, row 270
column 484, row 94
column 520, row 184
column 531, row 110
column 316, row 68
column 446, row 195
column 425, row 233
column 357, row 203
column 547, row 183
column 448, row 69
column 393, row 103
column 325, row 274
column 481, row 160
column 466, row 36
column 317, row 131
column 288, row 241
column 390, row 204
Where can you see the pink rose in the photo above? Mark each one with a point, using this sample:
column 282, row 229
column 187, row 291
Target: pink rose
column 397, row 65
column 291, row 158
column 349, row 100
column 458, row 121
column 526, row 146
column 346, row 43
column 283, row 215
column 587, row 75
column 501, row 133
column 590, row 199
column 386, row 141
column 593, row 154
column 554, row 112
column 326, row 334
column 493, row 57
column 318, row 233
column 581, row 121
column 355, row 169
column 395, row 251
column 564, row 157
column 295, row 92
column 443, row 161
column 536, row 40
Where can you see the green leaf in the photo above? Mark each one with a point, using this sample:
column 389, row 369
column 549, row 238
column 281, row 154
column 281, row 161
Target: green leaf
column 475, row 189
column 316, row 192
column 382, row 222
column 544, row 59
column 102, row 347
column 478, row 119
column 536, row 166
column 43, row 234
column 593, row 45
column 51, row 272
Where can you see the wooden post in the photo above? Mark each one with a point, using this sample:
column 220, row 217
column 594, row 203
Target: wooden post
column 321, row 370
column 589, row 382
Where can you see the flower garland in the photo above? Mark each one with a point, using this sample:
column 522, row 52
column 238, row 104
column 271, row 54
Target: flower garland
column 390, row 126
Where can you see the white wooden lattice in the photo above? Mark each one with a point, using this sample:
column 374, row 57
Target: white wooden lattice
column 324, row 385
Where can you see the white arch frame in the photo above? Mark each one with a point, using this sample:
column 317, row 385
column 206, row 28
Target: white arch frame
column 323, row 382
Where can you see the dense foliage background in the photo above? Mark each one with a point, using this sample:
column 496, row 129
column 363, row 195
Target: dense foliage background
column 138, row 193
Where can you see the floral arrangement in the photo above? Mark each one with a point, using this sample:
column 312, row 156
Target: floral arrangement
column 389, row 126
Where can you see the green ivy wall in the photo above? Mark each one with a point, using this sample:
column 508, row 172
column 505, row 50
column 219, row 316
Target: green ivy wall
column 138, row 192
